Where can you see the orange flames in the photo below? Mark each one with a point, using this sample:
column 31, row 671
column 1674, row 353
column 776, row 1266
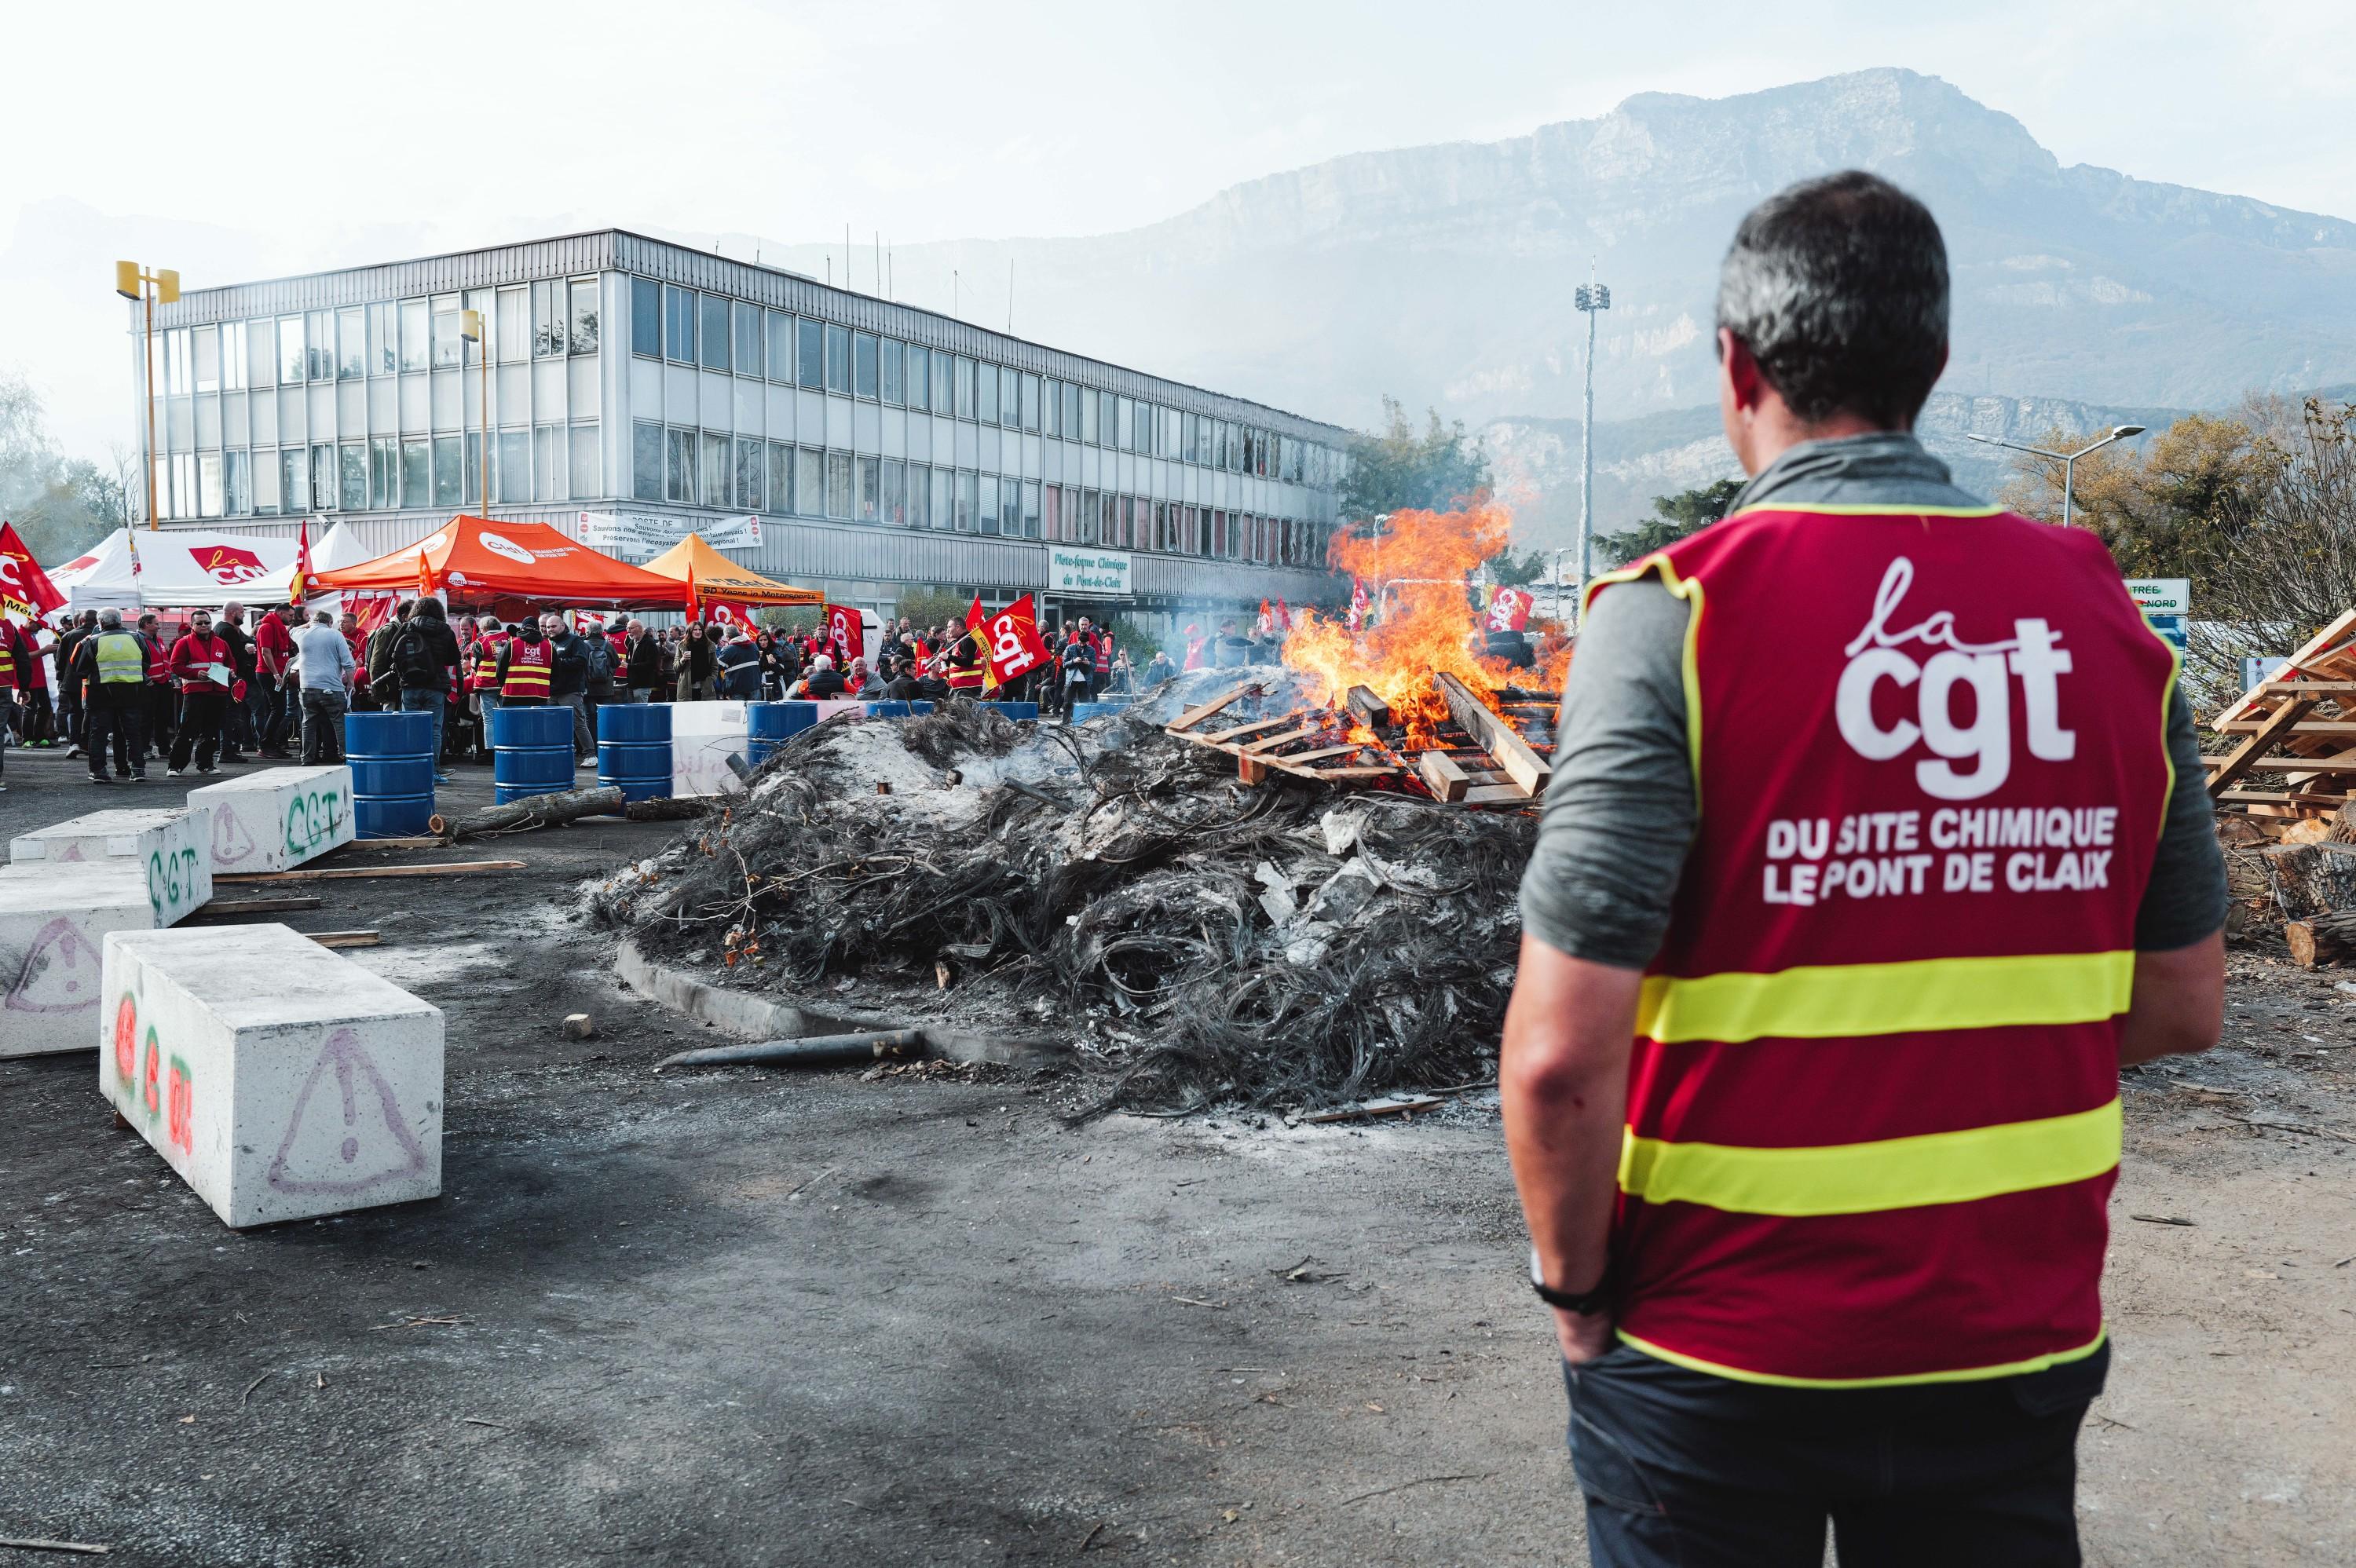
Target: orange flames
column 1415, row 573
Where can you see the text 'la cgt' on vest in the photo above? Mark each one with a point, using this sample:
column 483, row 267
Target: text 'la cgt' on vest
column 1873, row 1113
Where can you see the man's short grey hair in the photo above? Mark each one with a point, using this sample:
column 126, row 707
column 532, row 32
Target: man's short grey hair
column 1839, row 288
column 111, row 618
column 487, row 623
column 323, row 617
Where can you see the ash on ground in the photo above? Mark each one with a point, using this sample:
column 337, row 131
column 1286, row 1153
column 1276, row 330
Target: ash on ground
column 1285, row 945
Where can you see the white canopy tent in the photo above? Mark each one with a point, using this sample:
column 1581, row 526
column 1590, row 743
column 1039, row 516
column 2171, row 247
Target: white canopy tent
column 179, row 566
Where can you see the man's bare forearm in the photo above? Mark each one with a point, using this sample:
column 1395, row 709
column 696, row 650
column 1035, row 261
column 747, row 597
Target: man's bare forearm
column 2178, row 1003
column 1563, row 1080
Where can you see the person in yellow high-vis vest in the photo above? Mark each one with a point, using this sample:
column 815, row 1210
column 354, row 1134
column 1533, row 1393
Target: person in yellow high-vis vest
column 113, row 665
column 1876, row 844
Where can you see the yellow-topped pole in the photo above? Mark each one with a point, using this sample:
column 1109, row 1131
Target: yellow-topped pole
column 133, row 282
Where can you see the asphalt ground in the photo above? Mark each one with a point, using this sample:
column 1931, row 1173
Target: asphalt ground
column 742, row 1317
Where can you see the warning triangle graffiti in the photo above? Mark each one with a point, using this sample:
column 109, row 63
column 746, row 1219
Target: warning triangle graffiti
column 61, row 973
column 347, row 1135
column 231, row 842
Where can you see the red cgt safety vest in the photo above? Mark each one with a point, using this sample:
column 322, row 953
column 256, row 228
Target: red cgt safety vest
column 527, row 667
column 1873, row 1113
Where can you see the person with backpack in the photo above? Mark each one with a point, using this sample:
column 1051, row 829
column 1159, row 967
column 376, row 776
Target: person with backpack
column 526, row 661
column 419, row 661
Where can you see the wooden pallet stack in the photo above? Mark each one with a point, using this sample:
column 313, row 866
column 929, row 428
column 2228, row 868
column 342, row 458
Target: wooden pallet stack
column 2295, row 735
column 1483, row 759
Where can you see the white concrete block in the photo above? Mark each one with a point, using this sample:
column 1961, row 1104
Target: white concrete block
column 54, row 920
column 275, row 819
column 702, row 734
column 174, row 843
column 280, row 1079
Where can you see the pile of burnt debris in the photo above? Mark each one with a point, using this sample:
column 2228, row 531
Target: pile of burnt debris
column 1288, row 945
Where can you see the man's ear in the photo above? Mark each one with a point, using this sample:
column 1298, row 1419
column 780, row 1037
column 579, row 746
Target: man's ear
column 1742, row 381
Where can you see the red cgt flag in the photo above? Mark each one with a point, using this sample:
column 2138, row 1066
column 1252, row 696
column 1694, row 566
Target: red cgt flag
column 25, row 589
column 1509, row 611
column 1010, row 639
column 844, row 631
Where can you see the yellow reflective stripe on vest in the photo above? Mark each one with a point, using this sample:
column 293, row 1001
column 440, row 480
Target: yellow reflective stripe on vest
column 1867, row 1177
column 1952, row 1375
column 1822, row 1000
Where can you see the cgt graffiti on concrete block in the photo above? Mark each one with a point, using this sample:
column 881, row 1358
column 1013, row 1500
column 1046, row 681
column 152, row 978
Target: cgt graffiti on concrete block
column 174, row 843
column 275, row 819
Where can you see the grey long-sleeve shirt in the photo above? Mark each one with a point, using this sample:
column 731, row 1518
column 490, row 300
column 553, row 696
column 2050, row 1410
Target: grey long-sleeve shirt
column 1619, row 814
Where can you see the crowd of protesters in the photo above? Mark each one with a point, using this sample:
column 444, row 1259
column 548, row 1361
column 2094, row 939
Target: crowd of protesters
column 204, row 691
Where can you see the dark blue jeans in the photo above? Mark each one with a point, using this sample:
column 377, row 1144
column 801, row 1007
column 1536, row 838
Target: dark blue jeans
column 1683, row 1469
column 427, row 699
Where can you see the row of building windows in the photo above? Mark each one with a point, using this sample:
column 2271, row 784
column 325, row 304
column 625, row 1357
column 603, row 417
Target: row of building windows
column 700, row 468
column 540, row 321
column 714, row 333
column 559, row 463
column 545, row 463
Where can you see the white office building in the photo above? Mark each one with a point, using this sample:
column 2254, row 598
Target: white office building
column 638, row 389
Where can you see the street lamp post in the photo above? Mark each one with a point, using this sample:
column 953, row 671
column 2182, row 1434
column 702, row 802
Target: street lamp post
column 2068, row 460
column 133, row 282
column 470, row 328
column 1591, row 298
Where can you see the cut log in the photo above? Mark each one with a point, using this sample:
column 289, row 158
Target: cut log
column 2343, row 825
column 1441, row 776
column 1193, row 716
column 2310, row 879
column 539, row 811
column 2329, row 938
column 2243, row 757
column 1371, row 709
column 667, row 808
column 1496, row 737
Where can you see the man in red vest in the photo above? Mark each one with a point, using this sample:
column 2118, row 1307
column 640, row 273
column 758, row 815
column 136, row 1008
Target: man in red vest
column 1831, row 959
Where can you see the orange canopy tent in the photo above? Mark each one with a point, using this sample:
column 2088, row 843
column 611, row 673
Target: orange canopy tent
column 714, row 576
column 476, row 561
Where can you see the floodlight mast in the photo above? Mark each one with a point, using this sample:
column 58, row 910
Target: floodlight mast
column 1589, row 298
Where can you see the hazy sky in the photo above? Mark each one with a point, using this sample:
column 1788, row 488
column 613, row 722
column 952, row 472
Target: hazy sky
column 239, row 140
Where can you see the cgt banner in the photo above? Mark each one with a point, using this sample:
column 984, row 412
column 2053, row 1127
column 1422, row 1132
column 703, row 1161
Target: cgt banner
column 843, row 629
column 25, row 590
column 1012, row 641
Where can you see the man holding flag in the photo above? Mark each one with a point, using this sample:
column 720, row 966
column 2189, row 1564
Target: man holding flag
column 1013, row 649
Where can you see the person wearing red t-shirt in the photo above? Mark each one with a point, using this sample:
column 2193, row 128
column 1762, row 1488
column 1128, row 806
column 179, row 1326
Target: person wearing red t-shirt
column 274, row 657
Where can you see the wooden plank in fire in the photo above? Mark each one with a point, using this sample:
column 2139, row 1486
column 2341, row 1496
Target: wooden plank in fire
column 1324, row 753
column 1193, row 716
column 1270, row 742
column 1370, row 709
column 1495, row 736
column 1221, row 736
column 1442, row 776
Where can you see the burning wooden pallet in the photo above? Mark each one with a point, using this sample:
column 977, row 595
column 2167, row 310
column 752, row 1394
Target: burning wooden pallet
column 1494, row 765
column 2289, row 738
column 1301, row 742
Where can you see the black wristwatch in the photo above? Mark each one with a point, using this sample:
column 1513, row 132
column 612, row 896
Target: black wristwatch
column 1585, row 1303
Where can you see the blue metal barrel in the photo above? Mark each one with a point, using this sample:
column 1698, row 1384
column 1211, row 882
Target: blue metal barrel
column 634, row 749
column 392, row 757
column 772, row 724
column 531, row 752
column 1016, row 710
